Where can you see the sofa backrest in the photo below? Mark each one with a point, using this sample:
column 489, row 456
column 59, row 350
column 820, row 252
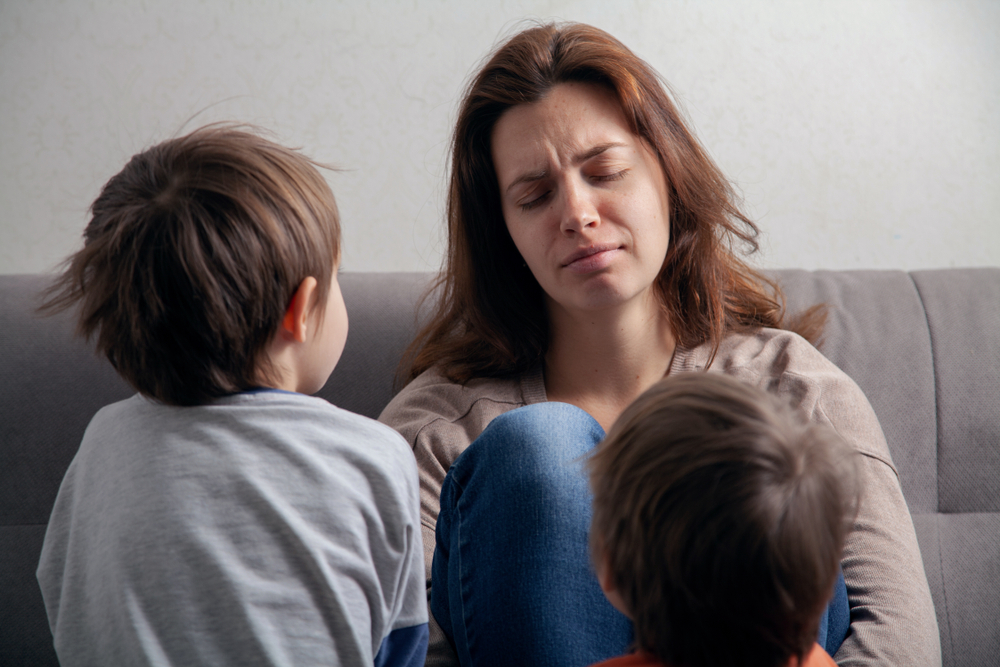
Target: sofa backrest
column 924, row 346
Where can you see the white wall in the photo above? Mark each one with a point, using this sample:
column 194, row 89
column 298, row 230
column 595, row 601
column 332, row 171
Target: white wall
column 862, row 134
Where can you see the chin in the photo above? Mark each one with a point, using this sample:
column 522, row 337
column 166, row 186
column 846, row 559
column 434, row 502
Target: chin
column 597, row 299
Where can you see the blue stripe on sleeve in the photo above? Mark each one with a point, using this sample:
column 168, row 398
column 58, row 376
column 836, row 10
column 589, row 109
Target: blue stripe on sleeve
column 404, row 647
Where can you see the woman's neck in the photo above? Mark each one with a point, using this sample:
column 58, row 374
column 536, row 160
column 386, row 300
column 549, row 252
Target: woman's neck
column 601, row 362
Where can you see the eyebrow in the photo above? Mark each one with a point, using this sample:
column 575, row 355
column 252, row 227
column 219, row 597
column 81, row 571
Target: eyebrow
column 597, row 150
column 532, row 176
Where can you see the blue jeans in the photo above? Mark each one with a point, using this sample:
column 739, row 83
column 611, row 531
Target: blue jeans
column 512, row 580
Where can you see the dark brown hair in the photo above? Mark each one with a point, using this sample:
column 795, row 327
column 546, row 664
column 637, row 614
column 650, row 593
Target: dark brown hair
column 721, row 513
column 490, row 318
column 192, row 255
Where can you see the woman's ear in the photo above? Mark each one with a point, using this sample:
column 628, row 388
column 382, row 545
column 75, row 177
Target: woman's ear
column 295, row 325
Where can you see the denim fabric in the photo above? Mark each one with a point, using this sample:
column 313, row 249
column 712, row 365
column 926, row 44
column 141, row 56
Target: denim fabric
column 513, row 583
column 835, row 623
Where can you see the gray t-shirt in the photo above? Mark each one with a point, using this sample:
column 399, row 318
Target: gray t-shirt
column 267, row 528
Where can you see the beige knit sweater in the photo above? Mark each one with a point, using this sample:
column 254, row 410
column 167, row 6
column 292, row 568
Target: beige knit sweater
column 892, row 614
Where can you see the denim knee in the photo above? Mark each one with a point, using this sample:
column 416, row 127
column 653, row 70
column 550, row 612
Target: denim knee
column 512, row 535
column 543, row 439
column 524, row 477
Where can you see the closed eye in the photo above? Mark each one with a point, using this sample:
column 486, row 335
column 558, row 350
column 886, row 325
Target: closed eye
column 600, row 178
column 617, row 176
column 537, row 201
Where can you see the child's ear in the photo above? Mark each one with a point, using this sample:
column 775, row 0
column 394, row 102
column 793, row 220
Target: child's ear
column 296, row 322
column 604, row 575
column 607, row 582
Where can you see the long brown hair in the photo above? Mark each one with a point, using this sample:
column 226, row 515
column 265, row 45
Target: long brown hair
column 490, row 317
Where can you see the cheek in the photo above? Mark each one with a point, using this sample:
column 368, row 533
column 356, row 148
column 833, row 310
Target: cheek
column 337, row 321
column 531, row 253
column 658, row 213
column 342, row 330
column 520, row 235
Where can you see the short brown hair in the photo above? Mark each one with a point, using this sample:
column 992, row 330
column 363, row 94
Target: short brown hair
column 191, row 257
column 721, row 513
column 490, row 318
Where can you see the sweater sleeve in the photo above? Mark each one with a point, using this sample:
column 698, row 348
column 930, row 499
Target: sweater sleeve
column 429, row 444
column 892, row 613
column 440, row 419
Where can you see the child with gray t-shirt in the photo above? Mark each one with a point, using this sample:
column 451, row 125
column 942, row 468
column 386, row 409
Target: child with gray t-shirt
column 223, row 516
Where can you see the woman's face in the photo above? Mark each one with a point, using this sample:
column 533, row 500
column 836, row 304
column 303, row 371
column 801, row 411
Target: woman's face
column 584, row 199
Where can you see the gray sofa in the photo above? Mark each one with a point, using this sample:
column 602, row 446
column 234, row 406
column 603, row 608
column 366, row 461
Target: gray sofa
column 924, row 346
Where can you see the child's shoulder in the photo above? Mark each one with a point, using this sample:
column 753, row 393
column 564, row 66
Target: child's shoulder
column 267, row 419
column 318, row 423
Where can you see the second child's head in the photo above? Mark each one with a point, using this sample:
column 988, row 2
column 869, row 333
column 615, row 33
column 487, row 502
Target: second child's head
column 720, row 515
column 206, row 259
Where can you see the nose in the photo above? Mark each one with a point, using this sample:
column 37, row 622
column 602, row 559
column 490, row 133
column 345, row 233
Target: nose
column 578, row 208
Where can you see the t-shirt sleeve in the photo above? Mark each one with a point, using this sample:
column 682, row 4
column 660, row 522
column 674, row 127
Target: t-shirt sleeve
column 405, row 639
column 439, row 419
column 431, row 443
column 404, row 647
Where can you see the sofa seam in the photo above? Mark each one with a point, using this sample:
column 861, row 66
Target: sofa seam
column 937, row 406
column 944, row 588
column 937, row 465
column 34, row 524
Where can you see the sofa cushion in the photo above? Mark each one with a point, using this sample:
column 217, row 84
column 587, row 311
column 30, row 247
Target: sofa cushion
column 877, row 333
column 963, row 314
column 51, row 384
column 382, row 322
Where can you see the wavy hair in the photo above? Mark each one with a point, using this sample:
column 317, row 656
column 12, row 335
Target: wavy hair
column 490, row 317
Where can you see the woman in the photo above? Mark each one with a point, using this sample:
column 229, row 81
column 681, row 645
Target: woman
column 591, row 253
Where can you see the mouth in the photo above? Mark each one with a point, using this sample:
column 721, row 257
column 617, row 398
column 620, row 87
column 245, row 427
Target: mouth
column 592, row 258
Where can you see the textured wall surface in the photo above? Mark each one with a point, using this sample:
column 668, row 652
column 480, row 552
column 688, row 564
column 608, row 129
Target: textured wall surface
column 862, row 134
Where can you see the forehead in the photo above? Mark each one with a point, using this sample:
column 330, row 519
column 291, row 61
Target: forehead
column 571, row 118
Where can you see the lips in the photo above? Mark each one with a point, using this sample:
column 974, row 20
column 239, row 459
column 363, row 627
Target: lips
column 592, row 258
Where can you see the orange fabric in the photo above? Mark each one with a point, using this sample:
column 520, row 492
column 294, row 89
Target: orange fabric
column 640, row 659
column 817, row 658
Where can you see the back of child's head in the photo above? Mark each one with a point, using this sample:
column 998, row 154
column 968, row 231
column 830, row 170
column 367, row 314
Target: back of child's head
column 192, row 255
column 721, row 513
